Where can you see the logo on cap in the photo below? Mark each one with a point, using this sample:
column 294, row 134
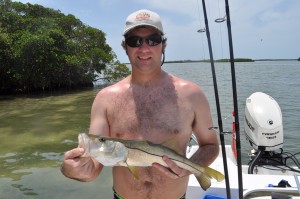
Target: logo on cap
column 142, row 16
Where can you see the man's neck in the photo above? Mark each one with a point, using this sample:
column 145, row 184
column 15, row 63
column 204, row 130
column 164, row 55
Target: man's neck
column 147, row 79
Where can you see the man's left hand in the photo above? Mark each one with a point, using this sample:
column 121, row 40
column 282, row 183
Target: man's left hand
column 172, row 171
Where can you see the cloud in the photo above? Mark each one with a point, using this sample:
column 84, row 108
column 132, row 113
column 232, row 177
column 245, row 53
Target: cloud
column 266, row 30
column 260, row 28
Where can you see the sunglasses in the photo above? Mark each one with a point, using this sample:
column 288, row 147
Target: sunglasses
column 151, row 40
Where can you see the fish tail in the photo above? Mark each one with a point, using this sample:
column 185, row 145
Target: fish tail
column 204, row 180
column 214, row 174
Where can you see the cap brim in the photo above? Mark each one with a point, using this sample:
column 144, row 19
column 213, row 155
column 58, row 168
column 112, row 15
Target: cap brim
column 142, row 24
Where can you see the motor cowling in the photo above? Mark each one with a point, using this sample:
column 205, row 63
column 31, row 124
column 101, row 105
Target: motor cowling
column 263, row 122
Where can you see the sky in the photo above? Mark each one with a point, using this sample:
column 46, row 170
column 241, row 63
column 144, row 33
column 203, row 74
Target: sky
column 261, row 29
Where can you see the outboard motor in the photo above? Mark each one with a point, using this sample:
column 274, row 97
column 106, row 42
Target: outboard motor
column 263, row 127
column 263, row 122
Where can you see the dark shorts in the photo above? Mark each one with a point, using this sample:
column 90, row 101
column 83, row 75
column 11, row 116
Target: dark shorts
column 117, row 196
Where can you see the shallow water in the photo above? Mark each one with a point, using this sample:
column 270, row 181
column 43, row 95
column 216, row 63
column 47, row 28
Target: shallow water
column 35, row 131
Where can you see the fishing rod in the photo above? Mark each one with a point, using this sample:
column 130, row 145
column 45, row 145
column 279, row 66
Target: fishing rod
column 217, row 102
column 235, row 103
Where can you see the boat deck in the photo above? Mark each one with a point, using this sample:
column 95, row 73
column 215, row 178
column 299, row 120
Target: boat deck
column 252, row 183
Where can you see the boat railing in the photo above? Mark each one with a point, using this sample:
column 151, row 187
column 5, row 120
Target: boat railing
column 285, row 190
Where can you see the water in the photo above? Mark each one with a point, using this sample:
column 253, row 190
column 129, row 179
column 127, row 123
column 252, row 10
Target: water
column 35, row 131
column 279, row 79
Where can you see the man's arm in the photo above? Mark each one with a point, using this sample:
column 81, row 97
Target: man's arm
column 86, row 168
column 206, row 138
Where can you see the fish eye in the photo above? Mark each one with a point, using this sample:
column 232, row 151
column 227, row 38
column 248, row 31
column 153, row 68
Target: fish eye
column 102, row 139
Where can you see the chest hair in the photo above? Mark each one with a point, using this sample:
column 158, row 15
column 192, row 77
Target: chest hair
column 146, row 109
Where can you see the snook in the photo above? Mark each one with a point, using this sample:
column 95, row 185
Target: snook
column 130, row 153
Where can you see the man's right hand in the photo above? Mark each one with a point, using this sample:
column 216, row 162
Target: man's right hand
column 80, row 168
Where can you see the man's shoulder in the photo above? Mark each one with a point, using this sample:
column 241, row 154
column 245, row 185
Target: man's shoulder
column 188, row 89
column 109, row 94
column 185, row 84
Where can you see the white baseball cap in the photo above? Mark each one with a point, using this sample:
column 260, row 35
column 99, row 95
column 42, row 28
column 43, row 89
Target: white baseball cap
column 143, row 18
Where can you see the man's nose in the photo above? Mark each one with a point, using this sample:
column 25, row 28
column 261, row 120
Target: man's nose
column 144, row 46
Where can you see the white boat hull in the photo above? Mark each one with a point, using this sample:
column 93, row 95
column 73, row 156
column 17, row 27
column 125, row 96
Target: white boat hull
column 252, row 183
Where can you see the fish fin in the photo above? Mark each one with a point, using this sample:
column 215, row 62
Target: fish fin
column 214, row 174
column 134, row 171
column 204, row 181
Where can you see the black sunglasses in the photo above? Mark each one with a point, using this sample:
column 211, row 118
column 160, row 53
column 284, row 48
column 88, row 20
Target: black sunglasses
column 151, row 40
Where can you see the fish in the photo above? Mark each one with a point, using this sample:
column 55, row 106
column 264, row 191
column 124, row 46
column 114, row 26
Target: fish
column 111, row 151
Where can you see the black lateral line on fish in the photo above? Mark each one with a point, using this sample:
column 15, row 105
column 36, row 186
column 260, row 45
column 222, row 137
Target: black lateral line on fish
column 167, row 156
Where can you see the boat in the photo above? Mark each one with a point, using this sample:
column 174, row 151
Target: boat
column 267, row 175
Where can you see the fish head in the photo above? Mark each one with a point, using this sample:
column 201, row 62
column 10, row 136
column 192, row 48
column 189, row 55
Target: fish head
column 105, row 150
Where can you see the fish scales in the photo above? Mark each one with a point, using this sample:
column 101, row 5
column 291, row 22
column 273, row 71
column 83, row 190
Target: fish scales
column 118, row 152
column 156, row 151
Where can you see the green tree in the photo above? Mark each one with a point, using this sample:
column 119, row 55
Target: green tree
column 33, row 55
column 116, row 71
column 42, row 48
column 7, row 74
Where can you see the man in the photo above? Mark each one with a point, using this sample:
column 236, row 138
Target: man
column 152, row 105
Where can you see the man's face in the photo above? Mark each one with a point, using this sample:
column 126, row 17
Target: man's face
column 146, row 55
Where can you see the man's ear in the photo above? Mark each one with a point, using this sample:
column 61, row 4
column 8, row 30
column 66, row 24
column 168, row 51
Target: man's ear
column 164, row 45
column 123, row 44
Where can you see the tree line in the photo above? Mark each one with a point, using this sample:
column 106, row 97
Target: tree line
column 43, row 49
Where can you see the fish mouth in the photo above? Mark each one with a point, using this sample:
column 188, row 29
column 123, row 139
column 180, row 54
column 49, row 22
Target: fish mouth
column 83, row 142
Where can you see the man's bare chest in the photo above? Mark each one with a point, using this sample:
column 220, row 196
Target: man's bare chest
column 159, row 110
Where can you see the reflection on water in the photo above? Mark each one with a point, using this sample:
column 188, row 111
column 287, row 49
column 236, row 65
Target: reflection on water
column 35, row 131
column 48, row 182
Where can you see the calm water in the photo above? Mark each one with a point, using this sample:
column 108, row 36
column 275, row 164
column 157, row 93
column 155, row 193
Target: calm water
column 35, row 131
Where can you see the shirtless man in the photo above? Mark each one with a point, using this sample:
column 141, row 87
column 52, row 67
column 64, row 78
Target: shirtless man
column 152, row 105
